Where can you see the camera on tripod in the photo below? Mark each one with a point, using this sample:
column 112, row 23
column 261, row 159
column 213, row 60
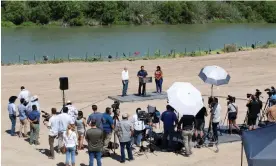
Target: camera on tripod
column 46, row 116
column 271, row 91
column 142, row 115
column 115, row 107
column 257, row 94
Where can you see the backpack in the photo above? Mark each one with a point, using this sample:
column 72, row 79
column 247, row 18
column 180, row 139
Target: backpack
column 156, row 117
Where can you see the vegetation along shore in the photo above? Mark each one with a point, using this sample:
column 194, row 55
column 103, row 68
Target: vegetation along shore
column 76, row 13
column 227, row 49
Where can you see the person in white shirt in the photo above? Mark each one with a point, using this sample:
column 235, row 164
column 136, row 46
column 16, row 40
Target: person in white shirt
column 140, row 128
column 72, row 111
column 215, row 118
column 25, row 94
column 125, row 81
column 70, row 142
column 64, row 120
column 53, row 125
column 34, row 101
column 12, row 114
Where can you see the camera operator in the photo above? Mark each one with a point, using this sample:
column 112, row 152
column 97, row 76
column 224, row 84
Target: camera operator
column 187, row 122
column 53, row 126
column 271, row 113
column 170, row 120
column 215, row 113
column 200, row 121
column 139, row 128
column 254, row 109
column 108, row 126
column 232, row 113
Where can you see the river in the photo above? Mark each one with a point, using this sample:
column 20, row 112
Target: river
column 33, row 43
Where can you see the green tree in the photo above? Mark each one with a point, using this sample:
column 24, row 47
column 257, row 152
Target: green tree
column 171, row 12
column 40, row 13
column 15, row 12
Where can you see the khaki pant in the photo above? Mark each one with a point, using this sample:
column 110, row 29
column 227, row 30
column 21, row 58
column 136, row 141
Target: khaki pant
column 106, row 140
column 23, row 124
column 34, row 134
column 60, row 140
column 187, row 135
column 51, row 143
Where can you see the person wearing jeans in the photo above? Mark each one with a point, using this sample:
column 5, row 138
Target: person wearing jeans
column 124, row 131
column 170, row 120
column 158, row 79
column 125, row 78
column 94, row 138
column 12, row 114
column 70, row 142
column 216, row 109
column 23, row 118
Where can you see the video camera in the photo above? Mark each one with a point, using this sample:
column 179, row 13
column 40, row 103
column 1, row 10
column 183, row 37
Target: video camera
column 231, row 98
column 46, row 116
column 142, row 115
column 257, row 94
column 271, row 91
column 115, row 106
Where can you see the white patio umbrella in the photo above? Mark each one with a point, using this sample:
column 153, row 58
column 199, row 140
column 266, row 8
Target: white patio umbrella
column 185, row 98
column 214, row 75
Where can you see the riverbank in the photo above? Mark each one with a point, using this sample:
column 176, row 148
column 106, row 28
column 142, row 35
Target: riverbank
column 91, row 82
column 228, row 48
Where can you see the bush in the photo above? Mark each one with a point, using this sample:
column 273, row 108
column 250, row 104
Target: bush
column 7, row 24
column 230, row 48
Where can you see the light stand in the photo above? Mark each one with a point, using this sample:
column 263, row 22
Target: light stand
column 63, row 98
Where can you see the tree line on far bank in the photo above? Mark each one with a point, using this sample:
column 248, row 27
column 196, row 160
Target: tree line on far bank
column 76, row 13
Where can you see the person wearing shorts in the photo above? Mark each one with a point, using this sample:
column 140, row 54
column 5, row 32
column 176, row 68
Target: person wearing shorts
column 200, row 122
column 232, row 114
column 80, row 123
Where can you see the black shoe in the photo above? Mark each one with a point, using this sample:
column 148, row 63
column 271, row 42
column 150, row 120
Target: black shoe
column 131, row 159
column 122, row 161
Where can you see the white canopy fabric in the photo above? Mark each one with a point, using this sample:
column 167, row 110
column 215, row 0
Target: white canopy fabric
column 185, row 98
column 214, row 75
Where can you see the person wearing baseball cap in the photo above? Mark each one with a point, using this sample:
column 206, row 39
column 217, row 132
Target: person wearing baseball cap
column 124, row 131
column 34, row 101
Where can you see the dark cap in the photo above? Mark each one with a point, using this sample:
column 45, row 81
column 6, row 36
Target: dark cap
column 93, row 122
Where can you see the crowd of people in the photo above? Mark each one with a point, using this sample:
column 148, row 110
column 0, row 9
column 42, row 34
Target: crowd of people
column 70, row 126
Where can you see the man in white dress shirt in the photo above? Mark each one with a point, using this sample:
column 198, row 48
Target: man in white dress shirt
column 34, row 101
column 25, row 94
column 72, row 111
column 125, row 78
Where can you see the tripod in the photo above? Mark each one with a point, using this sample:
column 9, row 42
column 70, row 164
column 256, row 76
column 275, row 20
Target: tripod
column 115, row 118
column 267, row 104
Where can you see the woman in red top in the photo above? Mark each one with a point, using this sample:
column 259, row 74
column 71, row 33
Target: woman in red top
column 158, row 79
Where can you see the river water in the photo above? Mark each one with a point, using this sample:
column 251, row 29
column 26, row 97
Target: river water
column 58, row 42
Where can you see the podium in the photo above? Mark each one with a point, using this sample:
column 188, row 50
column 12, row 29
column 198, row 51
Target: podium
column 144, row 81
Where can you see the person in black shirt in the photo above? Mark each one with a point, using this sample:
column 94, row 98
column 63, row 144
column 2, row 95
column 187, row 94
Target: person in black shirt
column 186, row 125
column 142, row 74
column 200, row 121
column 254, row 109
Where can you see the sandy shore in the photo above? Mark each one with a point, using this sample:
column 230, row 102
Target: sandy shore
column 91, row 82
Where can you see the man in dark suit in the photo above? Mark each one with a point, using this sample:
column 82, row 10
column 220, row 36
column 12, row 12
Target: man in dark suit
column 142, row 74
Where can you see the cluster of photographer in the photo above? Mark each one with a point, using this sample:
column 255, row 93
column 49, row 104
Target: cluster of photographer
column 69, row 126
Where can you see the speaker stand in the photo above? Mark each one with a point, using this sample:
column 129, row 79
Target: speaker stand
column 63, row 98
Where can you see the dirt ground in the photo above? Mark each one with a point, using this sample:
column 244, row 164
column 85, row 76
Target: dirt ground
column 92, row 82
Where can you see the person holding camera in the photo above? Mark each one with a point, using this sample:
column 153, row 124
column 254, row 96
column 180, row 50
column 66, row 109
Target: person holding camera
column 34, row 119
column 200, row 121
column 80, row 124
column 254, row 109
column 232, row 113
column 108, row 126
column 53, row 126
column 186, row 125
column 124, row 131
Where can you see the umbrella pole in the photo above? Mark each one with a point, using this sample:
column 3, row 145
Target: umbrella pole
column 212, row 90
